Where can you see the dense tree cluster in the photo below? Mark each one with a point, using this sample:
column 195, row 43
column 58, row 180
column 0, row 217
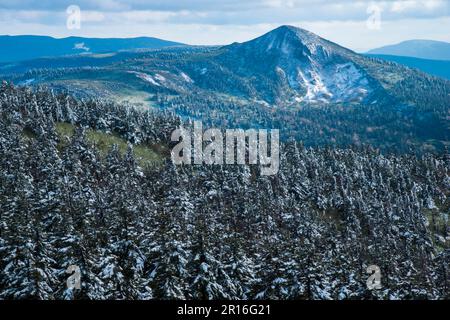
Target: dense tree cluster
column 208, row 232
column 390, row 129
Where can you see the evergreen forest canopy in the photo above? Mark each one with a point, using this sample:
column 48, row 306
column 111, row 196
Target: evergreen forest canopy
column 138, row 227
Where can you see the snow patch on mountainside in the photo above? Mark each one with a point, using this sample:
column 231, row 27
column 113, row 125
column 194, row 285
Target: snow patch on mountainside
column 186, row 77
column 316, row 90
column 145, row 77
column 348, row 76
column 160, row 77
column 332, row 83
column 27, row 82
column 346, row 81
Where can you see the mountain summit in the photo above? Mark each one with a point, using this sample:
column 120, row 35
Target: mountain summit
column 291, row 41
column 301, row 66
column 287, row 39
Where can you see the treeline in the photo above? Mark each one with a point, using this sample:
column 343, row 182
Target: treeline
column 208, row 232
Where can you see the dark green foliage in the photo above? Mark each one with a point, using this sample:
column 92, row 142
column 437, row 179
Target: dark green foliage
column 208, row 232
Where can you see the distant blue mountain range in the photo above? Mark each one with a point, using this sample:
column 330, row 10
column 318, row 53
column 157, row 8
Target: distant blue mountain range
column 437, row 68
column 18, row 48
column 423, row 49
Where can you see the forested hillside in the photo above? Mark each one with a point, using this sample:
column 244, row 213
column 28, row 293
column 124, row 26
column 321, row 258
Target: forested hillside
column 320, row 93
column 144, row 231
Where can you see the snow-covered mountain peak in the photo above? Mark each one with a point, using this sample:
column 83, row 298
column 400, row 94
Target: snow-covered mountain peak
column 301, row 64
column 289, row 40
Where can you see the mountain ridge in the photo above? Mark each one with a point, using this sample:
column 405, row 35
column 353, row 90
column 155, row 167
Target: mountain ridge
column 27, row 47
column 418, row 48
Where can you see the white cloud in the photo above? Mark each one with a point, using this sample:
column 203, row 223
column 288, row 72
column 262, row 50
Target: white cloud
column 92, row 16
column 81, row 46
column 401, row 6
column 226, row 21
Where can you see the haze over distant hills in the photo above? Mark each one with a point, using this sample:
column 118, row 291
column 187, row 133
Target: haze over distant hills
column 18, row 48
column 423, row 49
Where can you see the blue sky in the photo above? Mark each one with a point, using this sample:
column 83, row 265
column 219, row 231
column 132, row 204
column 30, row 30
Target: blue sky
column 226, row 21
